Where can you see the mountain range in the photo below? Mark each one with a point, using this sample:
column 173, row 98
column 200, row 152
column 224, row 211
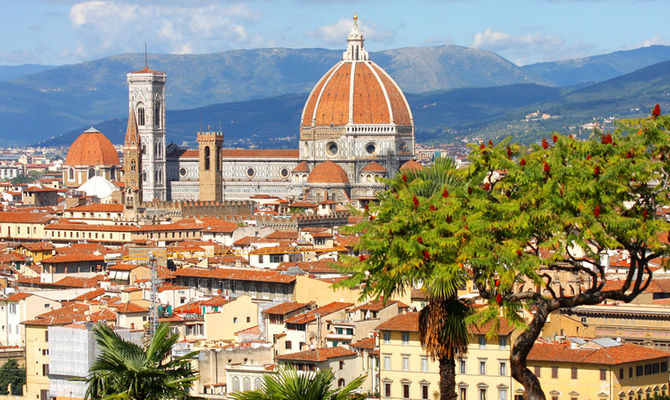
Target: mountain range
column 446, row 85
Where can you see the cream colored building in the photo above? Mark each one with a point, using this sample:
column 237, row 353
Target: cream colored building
column 406, row 371
column 17, row 308
column 600, row 369
column 23, row 225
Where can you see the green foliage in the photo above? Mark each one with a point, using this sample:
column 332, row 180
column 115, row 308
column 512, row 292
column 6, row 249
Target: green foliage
column 11, row 373
column 23, row 179
column 127, row 371
column 289, row 384
column 562, row 210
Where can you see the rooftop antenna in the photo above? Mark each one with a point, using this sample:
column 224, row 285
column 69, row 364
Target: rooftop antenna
column 146, row 56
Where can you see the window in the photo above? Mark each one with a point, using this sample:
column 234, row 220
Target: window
column 12, row 308
column 424, row 364
column 462, row 365
column 246, row 384
column 639, row 370
column 234, row 320
column 482, row 394
column 537, row 371
column 387, row 362
column 288, row 345
column 620, row 373
column 424, row 391
column 251, row 172
column 482, row 341
column 554, row 372
column 340, row 382
column 664, row 366
column 630, row 372
column 573, row 373
column 45, row 369
column 503, row 368
column 207, row 158
column 463, row 392
column 70, row 174
column 341, row 364
column 405, row 363
column 46, row 336
column 502, row 394
column 387, row 389
column 502, row 342
column 157, row 115
column 603, row 375
column 482, row 367
column 140, row 114
column 387, row 337
column 405, row 390
column 405, row 338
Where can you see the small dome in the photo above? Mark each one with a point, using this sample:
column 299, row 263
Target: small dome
column 327, row 172
column 98, row 187
column 411, row 165
column 301, row 167
column 92, row 148
column 373, row 166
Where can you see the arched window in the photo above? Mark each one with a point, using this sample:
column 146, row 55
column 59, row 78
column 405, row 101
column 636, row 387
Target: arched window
column 144, row 148
column 258, row 383
column 91, row 173
column 112, row 173
column 340, row 382
column 157, row 114
column 133, row 165
column 140, row 114
column 236, row 384
column 144, row 176
column 246, row 383
column 206, row 158
column 70, row 174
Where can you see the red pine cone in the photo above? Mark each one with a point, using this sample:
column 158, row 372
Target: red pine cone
column 497, row 282
column 445, row 193
column 554, row 138
column 426, row 255
column 656, row 111
column 404, row 178
column 545, row 145
column 362, row 257
column 420, row 240
column 469, row 190
column 490, row 143
column 481, row 146
column 606, row 139
column 432, row 207
column 588, row 157
column 645, row 213
column 415, row 201
column 509, row 152
column 366, row 207
column 629, row 154
column 596, row 212
column 522, row 162
column 596, row 171
column 487, row 186
column 498, row 299
column 547, row 168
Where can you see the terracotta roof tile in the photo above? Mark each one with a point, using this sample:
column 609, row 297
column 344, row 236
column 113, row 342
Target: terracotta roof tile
column 367, row 344
column 285, row 308
column 408, row 322
column 92, row 148
column 97, row 207
column 130, row 308
column 317, row 355
column 625, row 353
column 327, row 172
column 323, row 311
column 373, row 166
column 236, row 274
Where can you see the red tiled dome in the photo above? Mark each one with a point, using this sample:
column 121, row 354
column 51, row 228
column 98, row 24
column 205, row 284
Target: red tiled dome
column 411, row 165
column 373, row 166
column 92, row 148
column 356, row 91
column 327, row 172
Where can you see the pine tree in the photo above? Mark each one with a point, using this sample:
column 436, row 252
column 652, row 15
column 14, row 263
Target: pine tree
column 11, row 373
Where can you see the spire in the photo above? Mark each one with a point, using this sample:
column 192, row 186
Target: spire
column 355, row 39
column 132, row 135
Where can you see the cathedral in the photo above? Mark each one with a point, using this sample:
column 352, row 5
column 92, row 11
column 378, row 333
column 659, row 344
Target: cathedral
column 356, row 126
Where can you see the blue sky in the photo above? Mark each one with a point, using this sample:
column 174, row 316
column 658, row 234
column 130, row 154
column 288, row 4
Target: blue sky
column 524, row 31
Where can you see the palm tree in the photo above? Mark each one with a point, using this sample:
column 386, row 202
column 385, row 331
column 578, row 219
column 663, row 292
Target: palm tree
column 125, row 370
column 289, row 384
column 442, row 322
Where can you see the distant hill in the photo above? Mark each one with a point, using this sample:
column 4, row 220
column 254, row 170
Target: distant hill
column 597, row 68
column 274, row 122
column 9, row 72
column 96, row 90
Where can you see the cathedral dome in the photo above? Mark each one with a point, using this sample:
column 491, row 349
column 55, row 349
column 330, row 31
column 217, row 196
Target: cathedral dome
column 411, row 165
column 356, row 91
column 92, row 148
column 327, row 172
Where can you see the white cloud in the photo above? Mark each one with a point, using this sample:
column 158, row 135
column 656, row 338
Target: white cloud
column 658, row 39
column 336, row 34
column 528, row 48
column 113, row 26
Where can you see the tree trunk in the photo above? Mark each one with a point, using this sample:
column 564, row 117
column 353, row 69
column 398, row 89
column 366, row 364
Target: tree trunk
column 522, row 346
column 447, row 378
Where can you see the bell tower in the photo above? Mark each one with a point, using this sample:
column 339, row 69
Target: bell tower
column 132, row 165
column 209, row 166
column 146, row 99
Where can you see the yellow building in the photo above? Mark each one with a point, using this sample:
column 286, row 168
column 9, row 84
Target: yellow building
column 229, row 317
column 407, row 372
column 23, row 225
column 600, row 369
